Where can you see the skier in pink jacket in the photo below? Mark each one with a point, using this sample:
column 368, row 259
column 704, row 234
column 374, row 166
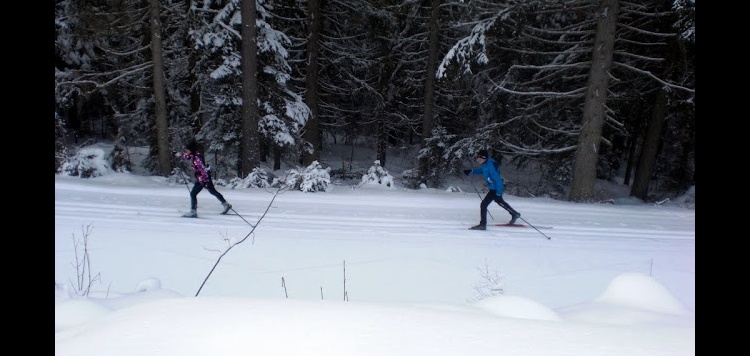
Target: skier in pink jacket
column 203, row 179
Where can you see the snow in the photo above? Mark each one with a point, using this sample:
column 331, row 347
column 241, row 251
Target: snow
column 365, row 269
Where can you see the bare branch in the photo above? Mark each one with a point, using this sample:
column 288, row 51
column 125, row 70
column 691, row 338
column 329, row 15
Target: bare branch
column 235, row 243
column 84, row 279
column 652, row 76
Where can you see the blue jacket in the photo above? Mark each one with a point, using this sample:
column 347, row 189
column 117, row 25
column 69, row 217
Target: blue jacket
column 491, row 175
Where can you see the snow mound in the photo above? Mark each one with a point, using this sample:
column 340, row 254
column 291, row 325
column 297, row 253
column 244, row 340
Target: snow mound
column 632, row 298
column 516, row 307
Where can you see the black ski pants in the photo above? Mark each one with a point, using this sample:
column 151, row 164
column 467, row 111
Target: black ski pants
column 197, row 189
column 488, row 199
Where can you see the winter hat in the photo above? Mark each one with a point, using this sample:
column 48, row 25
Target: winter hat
column 192, row 146
column 482, row 154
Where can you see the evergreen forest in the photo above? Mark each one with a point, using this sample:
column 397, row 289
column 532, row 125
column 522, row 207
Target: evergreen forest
column 576, row 90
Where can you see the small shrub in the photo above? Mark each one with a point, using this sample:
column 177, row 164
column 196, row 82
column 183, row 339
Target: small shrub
column 312, row 179
column 412, row 179
column 88, row 163
column 120, row 157
column 379, row 176
column 258, row 178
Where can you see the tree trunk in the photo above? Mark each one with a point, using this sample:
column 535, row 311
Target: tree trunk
column 196, row 119
column 276, row 158
column 587, row 152
column 632, row 144
column 160, row 98
column 312, row 129
column 249, row 152
column 650, row 149
column 381, row 141
column 433, row 45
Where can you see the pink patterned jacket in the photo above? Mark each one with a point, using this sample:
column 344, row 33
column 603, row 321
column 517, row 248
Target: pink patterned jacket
column 199, row 169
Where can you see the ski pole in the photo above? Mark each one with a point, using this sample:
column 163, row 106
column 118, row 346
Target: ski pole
column 524, row 220
column 241, row 217
column 186, row 180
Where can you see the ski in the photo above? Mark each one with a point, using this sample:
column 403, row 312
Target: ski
column 522, row 225
column 209, row 214
column 202, row 215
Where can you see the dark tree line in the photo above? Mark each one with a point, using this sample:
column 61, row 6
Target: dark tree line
column 576, row 90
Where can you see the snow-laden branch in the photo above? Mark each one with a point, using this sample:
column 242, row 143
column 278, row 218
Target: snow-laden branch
column 96, row 79
column 652, row 76
column 463, row 53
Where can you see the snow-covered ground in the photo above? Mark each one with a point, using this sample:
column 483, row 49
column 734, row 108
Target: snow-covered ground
column 365, row 270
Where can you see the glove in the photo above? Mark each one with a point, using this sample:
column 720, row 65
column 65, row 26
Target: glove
column 467, row 171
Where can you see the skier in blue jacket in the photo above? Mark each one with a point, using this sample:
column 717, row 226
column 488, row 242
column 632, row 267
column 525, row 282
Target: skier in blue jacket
column 495, row 184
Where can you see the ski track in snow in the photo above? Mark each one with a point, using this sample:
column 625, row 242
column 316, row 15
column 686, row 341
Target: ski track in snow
column 311, row 227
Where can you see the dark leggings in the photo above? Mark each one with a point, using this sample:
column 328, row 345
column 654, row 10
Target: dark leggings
column 197, row 189
column 488, row 199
